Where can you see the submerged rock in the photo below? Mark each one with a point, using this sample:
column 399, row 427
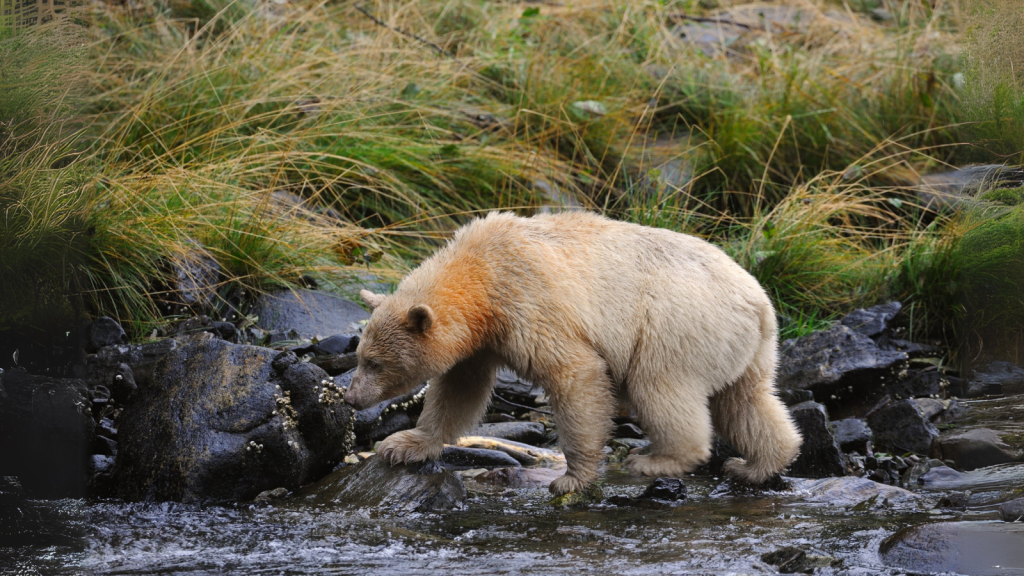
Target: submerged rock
column 401, row 489
column 820, row 455
column 46, row 434
column 977, row 548
column 224, row 422
column 309, row 313
column 793, row 560
column 973, row 449
column 851, row 491
column 901, row 427
column 520, row 477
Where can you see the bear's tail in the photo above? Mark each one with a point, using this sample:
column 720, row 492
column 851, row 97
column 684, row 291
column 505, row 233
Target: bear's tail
column 751, row 418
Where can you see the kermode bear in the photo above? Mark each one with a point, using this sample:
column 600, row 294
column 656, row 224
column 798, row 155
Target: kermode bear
column 597, row 312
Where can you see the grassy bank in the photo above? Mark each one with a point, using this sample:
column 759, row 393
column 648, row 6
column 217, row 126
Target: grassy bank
column 329, row 139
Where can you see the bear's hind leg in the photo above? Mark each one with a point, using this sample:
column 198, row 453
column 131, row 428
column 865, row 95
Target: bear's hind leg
column 455, row 402
column 583, row 402
column 749, row 416
column 678, row 422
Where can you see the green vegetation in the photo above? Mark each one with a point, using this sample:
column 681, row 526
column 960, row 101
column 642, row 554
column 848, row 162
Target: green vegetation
column 328, row 139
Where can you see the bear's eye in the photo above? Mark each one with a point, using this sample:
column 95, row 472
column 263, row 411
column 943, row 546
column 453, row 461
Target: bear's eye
column 372, row 364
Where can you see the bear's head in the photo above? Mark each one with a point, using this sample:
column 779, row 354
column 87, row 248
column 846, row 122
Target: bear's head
column 394, row 351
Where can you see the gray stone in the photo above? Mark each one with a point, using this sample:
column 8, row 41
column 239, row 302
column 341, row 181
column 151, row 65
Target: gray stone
column 1012, row 511
column 837, row 365
column 973, row 449
column 1002, row 478
column 526, row 432
column 853, row 434
column 930, row 407
column 820, row 455
column 461, row 458
column 872, row 322
column 104, row 331
column 628, row 430
column 400, row 490
column 309, row 313
column 224, row 422
column 46, row 434
column 899, row 426
column 851, row 491
column 976, row 548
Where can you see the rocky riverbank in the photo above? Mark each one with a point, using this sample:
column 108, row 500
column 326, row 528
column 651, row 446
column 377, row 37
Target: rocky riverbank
column 901, row 454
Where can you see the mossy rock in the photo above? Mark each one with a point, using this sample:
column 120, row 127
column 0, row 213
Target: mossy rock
column 990, row 259
column 591, row 495
column 1005, row 196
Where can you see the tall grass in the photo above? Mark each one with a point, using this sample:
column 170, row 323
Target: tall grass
column 330, row 139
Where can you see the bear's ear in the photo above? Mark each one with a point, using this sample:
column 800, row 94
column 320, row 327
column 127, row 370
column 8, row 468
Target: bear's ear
column 372, row 300
column 421, row 318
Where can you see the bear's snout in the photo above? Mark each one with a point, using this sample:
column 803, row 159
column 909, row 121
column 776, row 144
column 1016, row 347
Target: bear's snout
column 359, row 395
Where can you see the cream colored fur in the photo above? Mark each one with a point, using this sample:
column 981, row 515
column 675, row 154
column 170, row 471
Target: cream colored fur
column 597, row 312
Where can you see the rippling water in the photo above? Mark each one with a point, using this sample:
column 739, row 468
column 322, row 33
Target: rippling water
column 514, row 532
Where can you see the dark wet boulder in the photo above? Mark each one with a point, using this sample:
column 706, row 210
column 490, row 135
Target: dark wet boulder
column 104, row 331
column 109, row 362
column 820, row 454
column 668, row 489
column 794, row 397
column 525, row 432
column 461, row 458
column 899, row 426
column 224, row 422
column 628, row 430
column 840, row 366
column 46, row 434
column 977, row 548
column 872, row 322
column 308, row 313
column 1012, row 511
column 971, row 449
column 399, row 490
column 337, row 344
column 853, row 434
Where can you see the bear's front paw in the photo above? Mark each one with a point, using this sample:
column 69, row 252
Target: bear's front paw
column 567, row 484
column 409, row 446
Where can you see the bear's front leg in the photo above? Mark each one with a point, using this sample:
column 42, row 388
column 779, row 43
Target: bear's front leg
column 582, row 398
column 454, row 403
